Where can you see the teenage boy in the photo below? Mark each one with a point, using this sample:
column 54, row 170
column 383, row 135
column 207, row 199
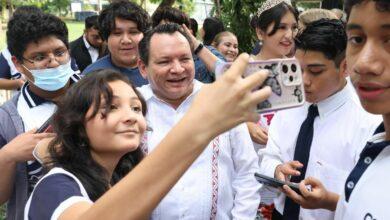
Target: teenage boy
column 365, row 193
column 87, row 48
column 122, row 25
column 40, row 49
column 324, row 137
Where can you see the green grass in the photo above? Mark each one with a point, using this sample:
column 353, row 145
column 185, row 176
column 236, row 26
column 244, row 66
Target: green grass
column 75, row 30
column 2, row 212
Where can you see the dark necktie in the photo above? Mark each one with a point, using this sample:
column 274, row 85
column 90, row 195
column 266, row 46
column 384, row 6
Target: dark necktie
column 302, row 153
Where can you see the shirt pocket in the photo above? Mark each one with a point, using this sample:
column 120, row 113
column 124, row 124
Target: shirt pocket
column 331, row 176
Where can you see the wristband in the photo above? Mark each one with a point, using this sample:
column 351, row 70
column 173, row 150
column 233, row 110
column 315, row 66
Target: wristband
column 198, row 49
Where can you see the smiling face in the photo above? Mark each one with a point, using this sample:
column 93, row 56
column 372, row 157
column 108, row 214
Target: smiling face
column 228, row 46
column 123, row 43
column 120, row 130
column 321, row 77
column 281, row 43
column 170, row 70
column 368, row 56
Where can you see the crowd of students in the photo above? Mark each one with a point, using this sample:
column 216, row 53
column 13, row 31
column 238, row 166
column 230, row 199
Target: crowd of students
column 151, row 128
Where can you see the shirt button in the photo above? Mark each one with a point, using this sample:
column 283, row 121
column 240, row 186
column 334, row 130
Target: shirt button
column 350, row 185
column 367, row 160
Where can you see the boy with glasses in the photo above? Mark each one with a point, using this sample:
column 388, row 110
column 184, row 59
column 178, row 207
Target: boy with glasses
column 40, row 49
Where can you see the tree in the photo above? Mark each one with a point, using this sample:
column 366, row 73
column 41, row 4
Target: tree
column 236, row 15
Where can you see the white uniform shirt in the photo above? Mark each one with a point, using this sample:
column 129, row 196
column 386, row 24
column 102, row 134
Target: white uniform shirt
column 93, row 52
column 191, row 197
column 340, row 133
column 366, row 194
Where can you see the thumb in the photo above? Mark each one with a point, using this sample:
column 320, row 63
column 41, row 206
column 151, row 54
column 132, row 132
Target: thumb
column 32, row 131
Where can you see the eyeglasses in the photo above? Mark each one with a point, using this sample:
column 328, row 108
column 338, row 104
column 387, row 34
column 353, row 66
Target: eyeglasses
column 41, row 60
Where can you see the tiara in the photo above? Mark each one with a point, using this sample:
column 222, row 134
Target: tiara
column 270, row 4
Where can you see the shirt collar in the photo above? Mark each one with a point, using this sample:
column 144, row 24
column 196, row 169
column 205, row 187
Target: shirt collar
column 148, row 94
column 334, row 102
column 87, row 45
column 34, row 100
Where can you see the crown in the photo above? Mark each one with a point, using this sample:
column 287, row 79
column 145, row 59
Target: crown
column 270, row 4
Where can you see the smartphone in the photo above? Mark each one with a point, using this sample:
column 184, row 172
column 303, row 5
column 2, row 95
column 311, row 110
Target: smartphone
column 285, row 80
column 45, row 127
column 272, row 182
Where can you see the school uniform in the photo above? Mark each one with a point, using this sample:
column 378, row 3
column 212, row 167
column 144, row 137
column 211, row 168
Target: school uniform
column 365, row 194
column 339, row 134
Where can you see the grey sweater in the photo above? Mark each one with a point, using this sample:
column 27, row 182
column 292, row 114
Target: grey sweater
column 11, row 125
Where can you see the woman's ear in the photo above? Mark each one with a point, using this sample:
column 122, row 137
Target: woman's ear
column 259, row 34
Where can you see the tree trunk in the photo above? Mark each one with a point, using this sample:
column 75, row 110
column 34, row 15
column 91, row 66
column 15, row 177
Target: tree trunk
column 164, row 3
column 218, row 8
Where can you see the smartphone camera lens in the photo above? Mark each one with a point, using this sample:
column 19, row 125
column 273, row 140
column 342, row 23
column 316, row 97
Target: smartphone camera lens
column 291, row 78
column 294, row 68
column 285, row 68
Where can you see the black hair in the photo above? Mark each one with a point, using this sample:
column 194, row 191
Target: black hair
column 27, row 28
column 26, row 9
column 144, row 44
column 274, row 14
column 170, row 14
column 70, row 149
column 92, row 22
column 325, row 36
column 211, row 27
column 125, row 10
column 194, row 26
column 381, row 5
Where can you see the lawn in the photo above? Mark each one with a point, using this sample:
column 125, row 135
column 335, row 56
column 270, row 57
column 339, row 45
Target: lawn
column 75, row 30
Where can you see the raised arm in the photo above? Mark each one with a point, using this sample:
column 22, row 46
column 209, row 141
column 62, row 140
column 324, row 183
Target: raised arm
column 137, row 194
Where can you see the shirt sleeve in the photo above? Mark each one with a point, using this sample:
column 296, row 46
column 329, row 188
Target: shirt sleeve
column 53, row 195
column 5, row 70
column 271, row 154
column 247, row 194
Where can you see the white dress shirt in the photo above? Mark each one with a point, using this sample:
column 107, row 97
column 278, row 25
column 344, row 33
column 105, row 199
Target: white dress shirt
column 93, row 52
column 340, row 132
column 191, row 198
column 370, row 197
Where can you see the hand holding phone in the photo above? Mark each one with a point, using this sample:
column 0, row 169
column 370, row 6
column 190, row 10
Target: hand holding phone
column 272, row 182
column 45, row 127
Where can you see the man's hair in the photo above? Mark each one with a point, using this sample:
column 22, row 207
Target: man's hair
column 124, row 10
column 381, row 5
column 194, row 26
column 325, row 36
column 211, row 27
column 144, row 44
column 170, row 14
column 27, row 28
column 92, row 22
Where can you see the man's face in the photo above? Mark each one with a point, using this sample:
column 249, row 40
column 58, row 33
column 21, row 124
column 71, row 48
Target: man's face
column 123, row 43
column 321, row 77
column 368, row 56
column 93, row 37
column 170, row 70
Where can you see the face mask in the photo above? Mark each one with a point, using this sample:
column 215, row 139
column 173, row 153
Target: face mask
column 52, row 79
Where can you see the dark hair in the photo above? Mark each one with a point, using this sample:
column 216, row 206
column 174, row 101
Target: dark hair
column 26, row 9
column 325, row 36
column 27, row 28
column 144, row 44
column 274, row 14
column 194, row 26
column 381, row 5
column 71, row 147
column 170, row 14
column 92, row 22
column 211, row 27
column 125, row 10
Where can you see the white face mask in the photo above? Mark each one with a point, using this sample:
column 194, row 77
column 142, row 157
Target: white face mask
column 52, row 79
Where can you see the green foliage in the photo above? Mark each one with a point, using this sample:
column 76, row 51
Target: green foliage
column 187, row 6
column 59, row 7
column 2, row 212
column 236, row 15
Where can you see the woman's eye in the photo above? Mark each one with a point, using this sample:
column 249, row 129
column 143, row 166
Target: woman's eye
column 113, row 107
column 136, row 109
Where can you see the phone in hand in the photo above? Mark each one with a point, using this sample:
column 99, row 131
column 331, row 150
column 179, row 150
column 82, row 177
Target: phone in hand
column 45, row 127
column 275, row 183
column 285, row 80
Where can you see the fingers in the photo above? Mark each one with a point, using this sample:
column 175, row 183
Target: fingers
column 255, row 80
column 237, row 68
column 32, row 131
column 260, row 95
column 44, row 135
column 287, row 169
column 293, row 195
